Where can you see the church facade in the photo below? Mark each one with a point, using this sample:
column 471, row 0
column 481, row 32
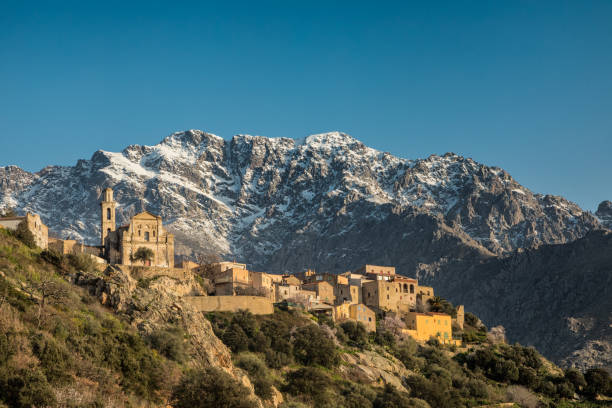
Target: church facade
column 145, row 230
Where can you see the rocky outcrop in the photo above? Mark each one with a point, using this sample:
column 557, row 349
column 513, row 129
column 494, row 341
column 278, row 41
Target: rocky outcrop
column 369, row 367
column 604, row 213
column 156, row 303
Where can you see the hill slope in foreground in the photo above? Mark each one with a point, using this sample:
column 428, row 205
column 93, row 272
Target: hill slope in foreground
column 71, row 336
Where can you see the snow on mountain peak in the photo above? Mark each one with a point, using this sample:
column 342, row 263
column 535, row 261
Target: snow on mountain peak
column 253, row 195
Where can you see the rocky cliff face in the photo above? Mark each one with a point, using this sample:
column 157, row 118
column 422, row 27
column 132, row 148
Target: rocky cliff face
column 604, row 213
column 327, row 200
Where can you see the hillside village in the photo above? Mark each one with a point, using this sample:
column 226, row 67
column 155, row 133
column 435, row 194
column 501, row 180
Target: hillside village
column 361, row 295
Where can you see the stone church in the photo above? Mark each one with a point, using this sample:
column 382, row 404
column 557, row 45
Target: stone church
column 145, row 230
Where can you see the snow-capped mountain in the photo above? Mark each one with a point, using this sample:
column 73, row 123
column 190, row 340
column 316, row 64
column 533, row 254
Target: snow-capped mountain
column 326, row 201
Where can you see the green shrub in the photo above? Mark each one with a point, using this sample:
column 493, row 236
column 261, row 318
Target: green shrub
column 312, row 346
column 170, row 343
column 258, row 373
column 311, row 383
column 598, row 382
column 276, row 359
column 81, row 262
column 25, row 388
column 384, row 338
column 390, row 397
column 53, row 257
column 235, row 338
column 356, row 333
column 24, row 234
column 210, row 388
column 576, row 378
column 55, row 360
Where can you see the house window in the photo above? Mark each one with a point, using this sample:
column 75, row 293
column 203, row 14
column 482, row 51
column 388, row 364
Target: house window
column 108, row 214
column 411, row 288
column 146, row 235
column 153, row 233
column 387, row 297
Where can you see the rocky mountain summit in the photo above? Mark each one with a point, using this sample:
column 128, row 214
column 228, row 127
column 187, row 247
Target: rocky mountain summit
column 321, row 199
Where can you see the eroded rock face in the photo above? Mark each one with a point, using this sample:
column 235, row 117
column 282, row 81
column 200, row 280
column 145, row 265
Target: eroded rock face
column 157, row 304
column 604, row 213
column 368, row 367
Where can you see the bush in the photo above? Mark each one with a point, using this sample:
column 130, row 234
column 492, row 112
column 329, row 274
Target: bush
column 576, row 378
column 235, row 338
column 312, row 346
column 598, row 382
column 258, row 373
column 210, row 388
column 53, row 257
column 170, row 343
column 390, row 397
column 54, row 359
column 356, row 333
column 25, row 388
column 310, row 382
column 384, row 338
column 81, row 262
column 24, row 234
column 521, row 396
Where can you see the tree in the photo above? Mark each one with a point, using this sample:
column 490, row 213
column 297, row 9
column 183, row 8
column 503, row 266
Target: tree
column 598, row 382
column 24, row 234
column 211, row 387
column 390, row 397
column 47, row 291
column 143, row 254
column 311, row 346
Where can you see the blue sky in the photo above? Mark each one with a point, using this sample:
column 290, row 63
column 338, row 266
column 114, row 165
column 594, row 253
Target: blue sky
column 526, row 86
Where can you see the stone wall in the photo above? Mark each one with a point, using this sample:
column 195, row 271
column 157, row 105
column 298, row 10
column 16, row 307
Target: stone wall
column 147, row 272
column 255, row 304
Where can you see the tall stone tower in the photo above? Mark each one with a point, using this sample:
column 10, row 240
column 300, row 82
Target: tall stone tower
column 108, row 214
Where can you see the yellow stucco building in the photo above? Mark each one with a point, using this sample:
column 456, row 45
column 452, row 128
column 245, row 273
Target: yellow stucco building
column 424, row 326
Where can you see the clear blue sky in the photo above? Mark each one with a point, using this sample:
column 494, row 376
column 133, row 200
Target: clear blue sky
column 522, row 85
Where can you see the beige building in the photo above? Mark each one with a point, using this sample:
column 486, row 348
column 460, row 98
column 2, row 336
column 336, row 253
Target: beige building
column 381, row 294
column 347, row 293
column 34, row 224
column 357, row 312
column 323, row 289
column 229, row 280
column 376, row 272
column 294, row 292
column 145, row 230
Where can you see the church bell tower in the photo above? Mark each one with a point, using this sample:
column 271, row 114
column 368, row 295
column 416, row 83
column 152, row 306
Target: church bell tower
column 108, row 214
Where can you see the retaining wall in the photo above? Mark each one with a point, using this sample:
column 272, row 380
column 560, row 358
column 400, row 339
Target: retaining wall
column 255, row 304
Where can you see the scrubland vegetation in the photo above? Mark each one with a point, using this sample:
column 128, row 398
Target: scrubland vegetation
column 60, row 347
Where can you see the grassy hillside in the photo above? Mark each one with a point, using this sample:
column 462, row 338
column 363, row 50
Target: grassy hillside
column 60, row 347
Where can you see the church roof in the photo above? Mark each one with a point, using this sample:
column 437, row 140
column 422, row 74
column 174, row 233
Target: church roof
column 146, row 215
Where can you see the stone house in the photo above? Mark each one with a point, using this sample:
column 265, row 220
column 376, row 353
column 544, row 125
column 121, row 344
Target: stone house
column 376, row 272
column 145, row 230
column 347, row 293
column 356, row 312
column 323, row 289
column 381, row 294
column 229, row 280
column 34, row 224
